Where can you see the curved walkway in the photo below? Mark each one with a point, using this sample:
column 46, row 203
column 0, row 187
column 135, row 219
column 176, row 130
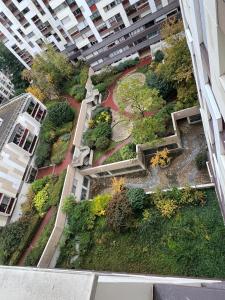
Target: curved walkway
column 109, row 102
column 36, row 237
column 69, row 155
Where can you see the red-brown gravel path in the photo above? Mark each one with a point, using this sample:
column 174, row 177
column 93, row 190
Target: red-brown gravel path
column 69, row 155
column 44, row 222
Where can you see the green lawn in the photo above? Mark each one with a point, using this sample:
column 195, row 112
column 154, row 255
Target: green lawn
column 191, row 243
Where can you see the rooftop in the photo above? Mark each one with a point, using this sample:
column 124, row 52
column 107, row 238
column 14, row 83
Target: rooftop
column 8, row 114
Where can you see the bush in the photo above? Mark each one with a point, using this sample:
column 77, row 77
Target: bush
column 78, row 92
column 102, row 130
column 60, row 113
column 119, row 212
column 101, row 87
column 159, row 56
column 165, row 88
column 54, row 189
column 34, row 223
column 99, row 204
column 68, row 204
column 128, row 151
column 136, row 197
column 103, row 117
column 164, row 204
column 40, row 201
column 98, row 110
column 191, row 196
column 89, row 139
column 10, row 238
column 84, row 75
column 201, row 159
column 42, row 154
column 59, row 151
column 102, row 143
column 127, row 64
column 39, row 184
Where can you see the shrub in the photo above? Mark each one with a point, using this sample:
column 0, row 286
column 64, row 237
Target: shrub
column 40, row 201
column 60, row 113
column 101, row 87
column 136, row 197
column 128, row 151
column 91, row 124
column 39, row 184
column 42, row 154
column 84, row 75
column 98, row 110
column 161, row 158
column 99, row 204
column 65, row 137
column 102, row 143
column 103, row 117
column 54, row 189
column 164, row 204
column 127, row 64
column 119, row 212
column 68, row 204
column 58, row 151
column 159, row 56
column 102, row 129
column 165, row 88
column 79, row 92
column 118, row 184
column 201, row 159
column 89, row 139
column 10, row 238
column 191, row 196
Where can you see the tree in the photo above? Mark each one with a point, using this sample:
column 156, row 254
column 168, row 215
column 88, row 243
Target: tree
column 141, row 99
column 60, row 113
column 159, row 56
column 36, row 92
column 136, row 197
column 119, row 212
column 49, row 71
column 12, row 66
column 147, row 130
column 165, row 87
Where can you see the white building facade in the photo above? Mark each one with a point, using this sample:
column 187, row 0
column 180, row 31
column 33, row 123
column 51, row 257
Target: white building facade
column 75, row 26
column 20, row 122
column 205, row 31
column 6, row 88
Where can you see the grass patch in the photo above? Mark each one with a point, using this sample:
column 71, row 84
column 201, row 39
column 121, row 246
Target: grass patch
column 189, row 243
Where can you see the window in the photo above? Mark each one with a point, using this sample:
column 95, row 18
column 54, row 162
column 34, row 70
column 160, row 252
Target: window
column 111, row 5
column 74, row 187
column 6, row 204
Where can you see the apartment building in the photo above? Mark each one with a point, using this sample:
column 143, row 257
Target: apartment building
column 100, row 31
column 6, row 88
column 20, row 122
column 205, row 31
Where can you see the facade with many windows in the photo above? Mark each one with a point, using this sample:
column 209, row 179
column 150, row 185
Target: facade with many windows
column 6, row 88
column 20, row 122
column 205, row 31
column 100, row 31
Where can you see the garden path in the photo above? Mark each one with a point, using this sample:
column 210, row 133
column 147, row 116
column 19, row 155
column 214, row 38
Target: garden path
column 111, row 152
column 109, row 102
column 69, row 155
column 41, row 228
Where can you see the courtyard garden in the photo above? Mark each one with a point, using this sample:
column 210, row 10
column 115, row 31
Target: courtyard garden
column 15, row 238
column 179, row 232
column 141, row 97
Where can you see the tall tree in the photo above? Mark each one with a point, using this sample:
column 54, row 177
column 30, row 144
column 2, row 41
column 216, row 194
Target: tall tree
column 49, row 71
column 131, row 93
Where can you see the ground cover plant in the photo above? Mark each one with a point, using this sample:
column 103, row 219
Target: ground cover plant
column 126, row 152
column 175, row 232
column 15, row 237
column 55, row 134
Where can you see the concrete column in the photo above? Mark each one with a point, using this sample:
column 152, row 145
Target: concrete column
column 152, row 5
